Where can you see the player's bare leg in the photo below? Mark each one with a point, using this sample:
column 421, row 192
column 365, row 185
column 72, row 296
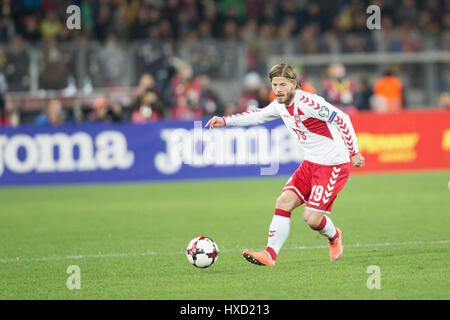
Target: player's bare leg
column 323, row 224
column 278, row 230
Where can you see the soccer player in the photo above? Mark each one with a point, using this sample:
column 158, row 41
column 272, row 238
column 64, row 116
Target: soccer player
column 328, row 139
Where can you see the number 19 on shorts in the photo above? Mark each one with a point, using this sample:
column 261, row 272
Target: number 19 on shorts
column 317, row 193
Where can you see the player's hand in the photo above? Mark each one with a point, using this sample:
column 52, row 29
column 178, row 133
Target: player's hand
column 358, row 160
column 215, row 122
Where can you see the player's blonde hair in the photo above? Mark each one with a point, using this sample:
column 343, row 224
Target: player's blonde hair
column 283, row 70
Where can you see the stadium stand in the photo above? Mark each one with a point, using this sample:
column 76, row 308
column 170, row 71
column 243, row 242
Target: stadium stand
column 197, row 52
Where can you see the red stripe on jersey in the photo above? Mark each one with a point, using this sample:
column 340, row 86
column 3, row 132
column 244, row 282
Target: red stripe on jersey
column 241, row 114
column 346, row 136
column 290, row 109
column 318, row 127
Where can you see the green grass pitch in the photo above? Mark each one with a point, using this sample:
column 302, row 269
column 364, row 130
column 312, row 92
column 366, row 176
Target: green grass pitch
column 129, row 241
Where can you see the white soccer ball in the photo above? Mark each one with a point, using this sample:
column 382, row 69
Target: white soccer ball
column 202, row 252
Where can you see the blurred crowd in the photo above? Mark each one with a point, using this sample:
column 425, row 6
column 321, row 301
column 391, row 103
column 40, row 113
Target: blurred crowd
column 191, row 97
column 38, row 20
column 167, row 87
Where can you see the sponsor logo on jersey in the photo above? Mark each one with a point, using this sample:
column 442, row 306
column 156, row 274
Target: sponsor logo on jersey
column 333, row 115
column 324, row 112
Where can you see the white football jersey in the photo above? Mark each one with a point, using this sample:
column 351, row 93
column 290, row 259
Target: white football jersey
column 324, row 132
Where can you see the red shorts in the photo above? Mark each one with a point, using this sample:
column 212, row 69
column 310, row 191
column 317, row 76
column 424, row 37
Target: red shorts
column 318, row 185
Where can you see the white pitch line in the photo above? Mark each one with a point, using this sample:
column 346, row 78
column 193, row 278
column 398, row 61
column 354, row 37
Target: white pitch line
column 72, row 257
column 386, row 244
column 151, row 253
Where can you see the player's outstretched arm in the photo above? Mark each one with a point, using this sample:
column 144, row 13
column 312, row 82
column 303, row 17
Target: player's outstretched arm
column 247, row 118
column 215, row 122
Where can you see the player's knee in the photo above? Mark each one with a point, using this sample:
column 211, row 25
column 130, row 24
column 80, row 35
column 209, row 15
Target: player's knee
column 312, row 219
column 306, row 215
column 312, row 223
column 286, row 203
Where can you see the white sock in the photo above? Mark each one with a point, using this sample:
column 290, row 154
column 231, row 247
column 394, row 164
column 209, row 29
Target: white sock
column 326, row 228
column 278, row 232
